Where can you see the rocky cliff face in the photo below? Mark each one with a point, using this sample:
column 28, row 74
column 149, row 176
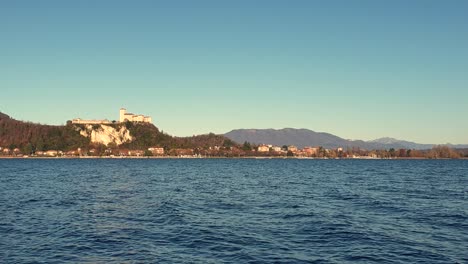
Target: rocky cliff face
column 104, row 134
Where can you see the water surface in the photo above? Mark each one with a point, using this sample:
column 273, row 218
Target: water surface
column 238, row 211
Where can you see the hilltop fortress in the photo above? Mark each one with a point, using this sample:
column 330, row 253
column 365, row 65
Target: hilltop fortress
column 124, row 117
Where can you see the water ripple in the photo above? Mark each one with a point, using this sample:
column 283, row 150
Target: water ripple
column 234, row 211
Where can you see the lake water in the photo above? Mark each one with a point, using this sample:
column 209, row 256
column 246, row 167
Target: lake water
column 233, row 211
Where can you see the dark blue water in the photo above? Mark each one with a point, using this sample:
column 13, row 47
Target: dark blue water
column 238, row 211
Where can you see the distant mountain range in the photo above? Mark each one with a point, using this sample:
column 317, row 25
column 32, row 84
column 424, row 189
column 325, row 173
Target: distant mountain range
column 306, row 137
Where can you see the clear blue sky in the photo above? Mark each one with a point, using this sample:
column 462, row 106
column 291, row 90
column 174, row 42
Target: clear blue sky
column 357, row 69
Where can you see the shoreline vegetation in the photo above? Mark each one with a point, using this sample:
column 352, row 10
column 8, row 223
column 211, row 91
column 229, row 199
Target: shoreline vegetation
column 438, row 152
column 220, row 157
column 20, row 139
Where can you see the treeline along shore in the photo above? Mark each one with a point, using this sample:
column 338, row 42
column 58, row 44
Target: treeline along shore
column 20, row 139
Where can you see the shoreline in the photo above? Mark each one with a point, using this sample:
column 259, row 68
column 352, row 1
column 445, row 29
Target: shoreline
column 253, row 157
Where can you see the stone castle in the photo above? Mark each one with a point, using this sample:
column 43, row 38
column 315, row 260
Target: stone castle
column 124, row 117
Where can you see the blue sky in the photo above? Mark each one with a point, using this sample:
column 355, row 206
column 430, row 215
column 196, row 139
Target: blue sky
column 357, row 69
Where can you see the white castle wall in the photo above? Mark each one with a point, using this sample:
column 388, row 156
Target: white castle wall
column 91, row 122
column 132, row 117
column 123, row 116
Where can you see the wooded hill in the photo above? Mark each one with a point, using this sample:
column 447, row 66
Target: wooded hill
column 28, row 136
column 33, row 137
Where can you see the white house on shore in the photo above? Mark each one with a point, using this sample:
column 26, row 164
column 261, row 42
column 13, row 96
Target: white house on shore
column 124, row 116
column 263, row 148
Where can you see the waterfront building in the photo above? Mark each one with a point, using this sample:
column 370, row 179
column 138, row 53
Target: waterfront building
column 263, row 148
column 310, row 151
column 276, row 149
column 51, row 153
column 292, row 148
column 156, row 150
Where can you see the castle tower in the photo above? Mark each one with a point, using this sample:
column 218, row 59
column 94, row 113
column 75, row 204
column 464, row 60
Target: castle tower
column 122, row 114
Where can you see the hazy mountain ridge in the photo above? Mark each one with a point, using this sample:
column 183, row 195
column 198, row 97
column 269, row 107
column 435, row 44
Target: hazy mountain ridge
column 405, row 144
column 305, row 137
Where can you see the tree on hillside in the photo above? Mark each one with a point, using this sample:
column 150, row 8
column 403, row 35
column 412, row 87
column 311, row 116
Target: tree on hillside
column 246, row 146
column 392, row 152
column 28, row 149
